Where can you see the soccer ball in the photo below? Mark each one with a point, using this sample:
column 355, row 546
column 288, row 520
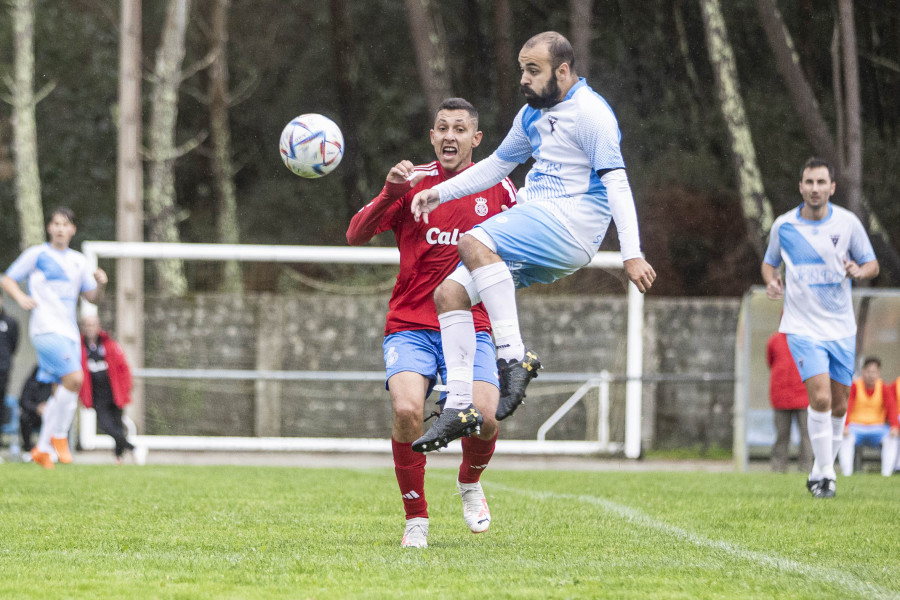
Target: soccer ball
column 312, row 146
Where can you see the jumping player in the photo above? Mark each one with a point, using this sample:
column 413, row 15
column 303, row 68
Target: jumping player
column 413, row 355
column 57, row 276
column 575, row 187
column 823, row 247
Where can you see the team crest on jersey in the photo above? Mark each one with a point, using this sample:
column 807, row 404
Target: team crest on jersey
column 834, row 239
column 481, row 207
column 552, row 120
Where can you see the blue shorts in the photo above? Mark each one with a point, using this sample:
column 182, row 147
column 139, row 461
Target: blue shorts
column 420, row 351
column 57, row 356
column 536, row 247
column 868, row 435
column 814, row 357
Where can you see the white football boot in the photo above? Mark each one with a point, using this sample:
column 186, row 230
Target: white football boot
column 475, row 508
column 416, row 533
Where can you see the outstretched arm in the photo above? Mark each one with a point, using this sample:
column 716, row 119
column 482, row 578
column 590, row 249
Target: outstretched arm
column 365, row 223
column 480, row 176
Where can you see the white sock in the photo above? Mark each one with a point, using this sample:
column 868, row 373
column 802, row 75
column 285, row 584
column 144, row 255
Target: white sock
column 820, row 434
column 49, row 419
column 458, row 342
column 837, row 436
column 67, row 405
column 495, row 285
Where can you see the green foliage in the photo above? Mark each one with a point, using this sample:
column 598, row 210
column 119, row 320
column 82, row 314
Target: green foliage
column 657, row 80
column 250, row 532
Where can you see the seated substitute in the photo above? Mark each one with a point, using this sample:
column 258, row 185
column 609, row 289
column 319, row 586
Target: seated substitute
column 871, row 419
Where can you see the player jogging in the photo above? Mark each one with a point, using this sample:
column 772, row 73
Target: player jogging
column 576, row 186
column 57, row 276
column 823, row 247
column 413, row 354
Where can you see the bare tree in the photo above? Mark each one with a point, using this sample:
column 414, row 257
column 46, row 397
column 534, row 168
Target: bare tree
column 851, row 145
column 430, row 42
column 346, row 73
column 223, row 168
column 580, row 17
column 754, row 204
column 130, row 201
column 23, row 99
column 503, row 61
column 162, row 213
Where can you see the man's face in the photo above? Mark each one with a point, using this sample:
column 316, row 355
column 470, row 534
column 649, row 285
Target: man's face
column 539, row 82
column 816, row 186
column 90, row 327
column 61, row 230
column 871, row 373
column 454, row 136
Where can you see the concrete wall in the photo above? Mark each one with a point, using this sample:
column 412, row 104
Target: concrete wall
column 314, row 332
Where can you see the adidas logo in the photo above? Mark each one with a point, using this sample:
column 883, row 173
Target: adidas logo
column 478, row 467
column 412, row 495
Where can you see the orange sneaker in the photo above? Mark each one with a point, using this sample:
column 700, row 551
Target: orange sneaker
column 41, row 458
column 61, row 445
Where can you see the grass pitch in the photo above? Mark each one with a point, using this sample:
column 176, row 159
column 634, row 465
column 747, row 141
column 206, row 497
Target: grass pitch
column 247, row 532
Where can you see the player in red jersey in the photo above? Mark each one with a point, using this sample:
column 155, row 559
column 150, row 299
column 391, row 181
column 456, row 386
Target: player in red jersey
column 413, row 355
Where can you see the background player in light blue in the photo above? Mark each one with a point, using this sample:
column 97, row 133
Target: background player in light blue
column 823, row 247
column 576, row 186
column 57, row 276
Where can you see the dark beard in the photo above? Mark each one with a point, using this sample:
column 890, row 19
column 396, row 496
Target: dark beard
column 548, row 99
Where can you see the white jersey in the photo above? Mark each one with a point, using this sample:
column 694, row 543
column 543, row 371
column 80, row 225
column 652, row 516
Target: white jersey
column 817, row 299
column 570, row 142
column 56, row 278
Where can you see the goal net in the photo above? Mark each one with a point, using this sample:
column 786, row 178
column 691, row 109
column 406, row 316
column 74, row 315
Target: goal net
column 878, row 320
column 304, row 371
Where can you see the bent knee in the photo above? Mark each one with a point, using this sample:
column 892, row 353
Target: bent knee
column 450, row 295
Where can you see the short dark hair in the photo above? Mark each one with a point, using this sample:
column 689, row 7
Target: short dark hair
column 458, row 104
column 63, row 211
column 871, row 360
column 560, row 49
column 815, row 163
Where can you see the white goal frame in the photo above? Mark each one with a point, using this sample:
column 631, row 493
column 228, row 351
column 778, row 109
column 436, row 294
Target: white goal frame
column 90, row 439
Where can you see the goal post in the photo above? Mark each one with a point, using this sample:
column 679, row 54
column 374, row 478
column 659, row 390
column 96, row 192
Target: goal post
column 95, row 250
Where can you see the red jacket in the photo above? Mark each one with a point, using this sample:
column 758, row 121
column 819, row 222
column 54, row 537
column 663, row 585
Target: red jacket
column 786, row 389
column 119, row 373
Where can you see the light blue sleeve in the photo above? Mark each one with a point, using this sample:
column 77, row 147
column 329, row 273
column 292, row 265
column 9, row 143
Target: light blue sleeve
column 25, row 264
column 516, row 146
column 88, row 282
column 773, row 252
column 860, row 247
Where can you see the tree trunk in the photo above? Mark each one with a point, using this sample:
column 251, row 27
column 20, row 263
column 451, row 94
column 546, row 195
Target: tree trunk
column 130, row 203
column 223, row 168
column 852, row 169
column 580, row 34
column 28, row 180
column 504, row 54
column 162, row 214
column 754, row 203
column 791, row 71
column 346, row 73
column 430, row 42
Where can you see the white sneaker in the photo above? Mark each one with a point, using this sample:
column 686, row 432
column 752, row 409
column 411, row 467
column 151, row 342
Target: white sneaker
column 140, row 455
column 475, row 508
column 416, row 533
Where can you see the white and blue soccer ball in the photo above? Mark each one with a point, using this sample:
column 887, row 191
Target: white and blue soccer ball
column 312, row 145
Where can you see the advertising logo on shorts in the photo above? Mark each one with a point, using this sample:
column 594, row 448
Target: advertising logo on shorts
column 481, row 207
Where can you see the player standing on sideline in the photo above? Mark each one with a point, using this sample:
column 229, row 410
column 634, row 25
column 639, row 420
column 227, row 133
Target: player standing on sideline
column 576, row 186
column 823, row 247
column 412, row 344
column 57, row 276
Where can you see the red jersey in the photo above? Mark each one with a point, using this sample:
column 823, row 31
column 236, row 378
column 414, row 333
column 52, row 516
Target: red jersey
column 427, row 251
column 786, row 389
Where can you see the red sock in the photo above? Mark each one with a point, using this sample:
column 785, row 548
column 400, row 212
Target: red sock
column 410, row 469
column 476, row 455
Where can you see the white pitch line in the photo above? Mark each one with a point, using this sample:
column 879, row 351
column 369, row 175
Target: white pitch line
column 832, row 576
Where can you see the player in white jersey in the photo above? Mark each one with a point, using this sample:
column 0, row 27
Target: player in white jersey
column 575, row 187
column 57, row 276
column 823, row 247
